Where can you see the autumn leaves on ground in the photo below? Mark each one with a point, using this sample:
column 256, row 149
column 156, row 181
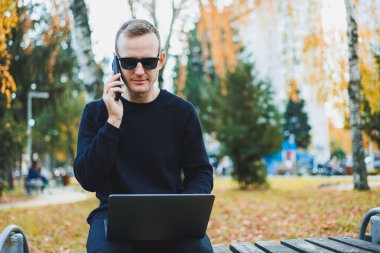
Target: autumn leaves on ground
column 292, row 207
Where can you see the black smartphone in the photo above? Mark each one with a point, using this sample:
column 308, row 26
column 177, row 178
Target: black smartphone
column 116, row 69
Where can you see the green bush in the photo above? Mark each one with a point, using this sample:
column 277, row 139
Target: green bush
column 250, row 173
column 247, row 124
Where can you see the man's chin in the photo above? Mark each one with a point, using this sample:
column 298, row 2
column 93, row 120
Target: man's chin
column 138, row 91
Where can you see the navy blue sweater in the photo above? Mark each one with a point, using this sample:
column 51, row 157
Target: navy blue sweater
column 156, row 141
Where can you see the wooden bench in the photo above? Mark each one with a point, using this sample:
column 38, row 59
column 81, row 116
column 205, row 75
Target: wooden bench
column 35, row 186
column 310, row 245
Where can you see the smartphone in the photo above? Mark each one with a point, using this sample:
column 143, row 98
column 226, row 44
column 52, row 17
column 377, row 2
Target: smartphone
column 116, row 69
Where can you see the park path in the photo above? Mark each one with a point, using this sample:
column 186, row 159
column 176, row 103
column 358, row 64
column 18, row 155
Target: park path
column 373, row 182
column 348, row 187
column 51, row 196
column 70, row 194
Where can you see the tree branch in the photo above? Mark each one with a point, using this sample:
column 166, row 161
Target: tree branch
column 153, row 13
column 82, row 46
column 132, row 7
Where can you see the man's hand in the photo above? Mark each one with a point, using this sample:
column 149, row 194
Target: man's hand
column 114, row 108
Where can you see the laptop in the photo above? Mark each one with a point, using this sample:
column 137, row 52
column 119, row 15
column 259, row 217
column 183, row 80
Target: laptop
column 157, row 216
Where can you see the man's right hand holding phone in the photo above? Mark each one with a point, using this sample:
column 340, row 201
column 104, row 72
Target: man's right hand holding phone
column 114, row 107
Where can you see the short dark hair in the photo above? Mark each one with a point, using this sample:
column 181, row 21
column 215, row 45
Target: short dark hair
column 137, row 27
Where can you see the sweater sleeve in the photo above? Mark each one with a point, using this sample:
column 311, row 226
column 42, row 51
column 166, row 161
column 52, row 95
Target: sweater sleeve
column 198, row 172
column 96, row 151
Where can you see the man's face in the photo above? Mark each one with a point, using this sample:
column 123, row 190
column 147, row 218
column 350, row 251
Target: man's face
column 139, row 80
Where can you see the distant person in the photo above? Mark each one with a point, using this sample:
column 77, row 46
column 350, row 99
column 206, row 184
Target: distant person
column 147, row 142
column 35, row 180
column 224, row 166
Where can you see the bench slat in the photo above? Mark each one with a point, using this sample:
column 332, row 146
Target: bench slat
column 304, row 247
column 361, row 244
column 272, row 246
column 220, row 248
column 335, row 246
column 245, row 247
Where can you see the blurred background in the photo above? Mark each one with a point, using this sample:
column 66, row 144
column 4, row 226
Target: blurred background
column 287, row 92
column 269, row 80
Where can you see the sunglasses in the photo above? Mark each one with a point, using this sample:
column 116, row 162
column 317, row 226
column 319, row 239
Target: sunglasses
column 130, row 63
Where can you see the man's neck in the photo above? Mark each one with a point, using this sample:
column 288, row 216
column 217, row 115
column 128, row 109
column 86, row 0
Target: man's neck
column 146, row 97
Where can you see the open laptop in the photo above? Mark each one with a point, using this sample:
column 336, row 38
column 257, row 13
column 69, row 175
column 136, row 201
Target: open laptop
column 157, row 216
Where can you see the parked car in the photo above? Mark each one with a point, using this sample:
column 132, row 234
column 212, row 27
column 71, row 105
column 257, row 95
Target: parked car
column 372, row 169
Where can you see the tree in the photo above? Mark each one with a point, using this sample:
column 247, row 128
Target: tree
column 215, row 28
column 8, row 20
column 42, row 56
column 56, row 130
column 92, row 73
column 371, row 123
column 368, row 27
column 150, row 6
column 338, row 153
column 296, row 121
column 370, row 116
column 12, row 136
column 354, row 91
column 132, row 7
column 247, row 124
column 193, row 82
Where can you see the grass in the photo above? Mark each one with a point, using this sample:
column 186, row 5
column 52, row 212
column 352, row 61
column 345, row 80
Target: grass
column 16, row 195
column 292, row 207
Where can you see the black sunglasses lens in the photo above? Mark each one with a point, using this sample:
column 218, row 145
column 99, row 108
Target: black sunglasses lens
column 131, row 63
column 128, row 63
column 149, row 63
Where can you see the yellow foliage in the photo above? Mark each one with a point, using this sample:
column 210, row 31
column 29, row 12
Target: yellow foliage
column 330, row 78
column 290, row 9
column 293, row 93
column 61, row 156
column 8, row 20
column 371, row 85
column 312, row 41
column 181, row 81
column 369, row 68
column 215, row 29
column 60, row 24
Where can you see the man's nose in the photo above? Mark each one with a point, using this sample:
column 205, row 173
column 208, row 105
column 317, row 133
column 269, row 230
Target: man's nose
column 139, row 69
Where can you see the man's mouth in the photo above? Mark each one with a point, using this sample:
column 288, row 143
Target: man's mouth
column 139, row 81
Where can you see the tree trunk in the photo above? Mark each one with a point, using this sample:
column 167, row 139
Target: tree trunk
column 354, row 91
column 151, row 7
column 92, row 75
column 11, row 185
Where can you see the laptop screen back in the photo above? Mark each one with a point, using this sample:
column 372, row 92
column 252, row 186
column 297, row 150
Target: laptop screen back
column 158, row 216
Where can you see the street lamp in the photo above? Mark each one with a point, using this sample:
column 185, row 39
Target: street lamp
column 31, row 94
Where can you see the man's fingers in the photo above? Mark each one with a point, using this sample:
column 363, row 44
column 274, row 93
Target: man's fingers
column 116, row 89
column 111, row 92
column 113, row 77
column 113, row 84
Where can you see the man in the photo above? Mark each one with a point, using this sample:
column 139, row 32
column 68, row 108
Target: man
column 140, row 143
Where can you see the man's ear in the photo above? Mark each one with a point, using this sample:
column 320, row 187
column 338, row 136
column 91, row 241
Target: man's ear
column 162, row 59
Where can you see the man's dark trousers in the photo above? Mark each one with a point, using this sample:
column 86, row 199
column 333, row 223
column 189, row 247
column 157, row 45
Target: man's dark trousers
column 98, row 243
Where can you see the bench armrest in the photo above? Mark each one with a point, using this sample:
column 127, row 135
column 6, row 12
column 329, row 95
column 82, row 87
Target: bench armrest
column 9, row 231
column 365, row 221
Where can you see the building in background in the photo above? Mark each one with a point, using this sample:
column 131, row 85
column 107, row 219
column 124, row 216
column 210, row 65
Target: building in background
column 277, row 34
